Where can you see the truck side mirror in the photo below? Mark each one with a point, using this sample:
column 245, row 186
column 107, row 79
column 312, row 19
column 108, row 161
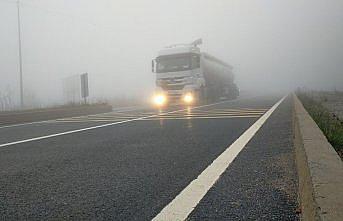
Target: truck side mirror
column 153, row 65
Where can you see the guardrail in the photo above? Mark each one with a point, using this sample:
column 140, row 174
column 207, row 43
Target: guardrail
column 320, row 169
column 18, row 117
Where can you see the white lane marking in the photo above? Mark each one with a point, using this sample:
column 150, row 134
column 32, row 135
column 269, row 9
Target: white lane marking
column 131, row 108
column 184, row 203
column 164, row 118
column 114, row 111
column 103, row 125
column 180, row 115
column 44, row 121
column 197, row 118
column 23, row 124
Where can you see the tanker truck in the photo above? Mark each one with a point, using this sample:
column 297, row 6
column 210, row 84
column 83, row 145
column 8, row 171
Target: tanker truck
column 185, row 75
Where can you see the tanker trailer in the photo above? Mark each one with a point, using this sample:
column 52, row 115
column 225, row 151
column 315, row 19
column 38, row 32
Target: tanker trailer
column 185, row 75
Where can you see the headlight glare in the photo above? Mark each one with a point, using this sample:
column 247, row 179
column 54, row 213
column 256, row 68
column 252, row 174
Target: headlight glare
column 160, row 99
column 188, row 98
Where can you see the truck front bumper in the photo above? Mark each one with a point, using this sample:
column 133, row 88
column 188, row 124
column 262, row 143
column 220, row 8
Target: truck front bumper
column 174, row 98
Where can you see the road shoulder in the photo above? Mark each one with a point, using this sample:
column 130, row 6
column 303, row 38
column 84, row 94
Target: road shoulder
column 261, row 184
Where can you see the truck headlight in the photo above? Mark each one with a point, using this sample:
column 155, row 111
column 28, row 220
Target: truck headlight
column 188, row 98
column 160, row 99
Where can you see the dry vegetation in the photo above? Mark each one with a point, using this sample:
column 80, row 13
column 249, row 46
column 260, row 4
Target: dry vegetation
column 328, row 122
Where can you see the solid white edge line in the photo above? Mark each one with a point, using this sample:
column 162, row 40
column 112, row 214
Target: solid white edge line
column 104, row 125
column 184, row 203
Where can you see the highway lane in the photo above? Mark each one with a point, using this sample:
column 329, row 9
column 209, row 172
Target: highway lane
column 262, row 182
column 128, row 171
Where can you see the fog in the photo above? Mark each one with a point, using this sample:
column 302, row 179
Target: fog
column 272, row 45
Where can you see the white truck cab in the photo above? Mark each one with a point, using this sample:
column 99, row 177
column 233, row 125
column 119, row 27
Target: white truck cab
column 179, row 78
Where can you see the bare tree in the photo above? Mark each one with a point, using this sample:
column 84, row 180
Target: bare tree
column 31, row 100
column 9, row 97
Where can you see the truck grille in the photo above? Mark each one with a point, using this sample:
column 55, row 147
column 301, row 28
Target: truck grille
column 172, row 87
column 175, row 83
column 174, row 98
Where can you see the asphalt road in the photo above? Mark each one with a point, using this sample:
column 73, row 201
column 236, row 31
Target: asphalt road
column 129, row 165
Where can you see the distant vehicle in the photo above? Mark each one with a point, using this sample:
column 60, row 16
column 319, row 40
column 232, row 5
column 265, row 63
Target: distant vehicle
column 186, row 75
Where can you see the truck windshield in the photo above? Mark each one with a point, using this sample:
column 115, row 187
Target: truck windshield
column 175, row 63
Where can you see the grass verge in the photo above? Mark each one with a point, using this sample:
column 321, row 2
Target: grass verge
column 331, row 126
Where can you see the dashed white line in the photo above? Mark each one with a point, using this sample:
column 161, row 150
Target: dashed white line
column 184, row 203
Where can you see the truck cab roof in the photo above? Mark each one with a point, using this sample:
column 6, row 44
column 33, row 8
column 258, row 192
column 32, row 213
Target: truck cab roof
column 179, row 49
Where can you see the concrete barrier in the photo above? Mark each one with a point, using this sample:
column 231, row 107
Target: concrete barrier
column 320, row 169
column 18, row 117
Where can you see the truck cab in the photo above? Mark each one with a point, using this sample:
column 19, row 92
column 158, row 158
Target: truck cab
column 179, row 78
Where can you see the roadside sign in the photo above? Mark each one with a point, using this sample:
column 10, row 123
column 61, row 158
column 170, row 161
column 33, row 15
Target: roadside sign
column 84, row 86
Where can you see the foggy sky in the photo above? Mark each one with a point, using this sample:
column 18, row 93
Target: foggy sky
column 271, row 44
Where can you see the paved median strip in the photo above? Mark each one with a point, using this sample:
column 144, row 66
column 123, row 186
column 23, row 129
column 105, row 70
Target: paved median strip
column 184, row 203
column 181, row 115
column 101, row 126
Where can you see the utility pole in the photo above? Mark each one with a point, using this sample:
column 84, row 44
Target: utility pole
column 20, row 59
